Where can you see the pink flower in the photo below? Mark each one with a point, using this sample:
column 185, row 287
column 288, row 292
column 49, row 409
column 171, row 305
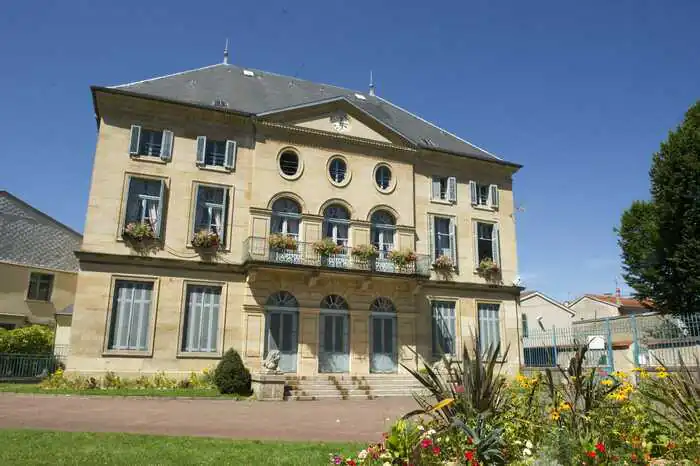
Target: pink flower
column 459, row 389
column 426, row 442
column 436, row 450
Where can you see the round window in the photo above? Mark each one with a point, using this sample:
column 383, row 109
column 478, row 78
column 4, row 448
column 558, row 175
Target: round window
column 289, row 163
column 337, row 170
column 382, row 176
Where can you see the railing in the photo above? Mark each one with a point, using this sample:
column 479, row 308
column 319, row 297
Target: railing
column 258, row 249
column 17, row 367
column 644, row 340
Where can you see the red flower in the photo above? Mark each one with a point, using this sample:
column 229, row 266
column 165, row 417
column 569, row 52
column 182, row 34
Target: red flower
column 469, row 441
column 468, row 455
column 633, row 457
column 600, row 447
column 351, row 463
column 459, row 389
column 436, row 450
column 426, row 442
column 670, row 445
column 591, row 454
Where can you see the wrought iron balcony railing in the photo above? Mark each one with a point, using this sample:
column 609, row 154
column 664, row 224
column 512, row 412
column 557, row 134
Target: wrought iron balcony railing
column 258, row 249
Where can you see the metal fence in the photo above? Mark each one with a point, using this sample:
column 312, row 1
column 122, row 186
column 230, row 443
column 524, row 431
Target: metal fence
column 624, row 342
column 18, row 367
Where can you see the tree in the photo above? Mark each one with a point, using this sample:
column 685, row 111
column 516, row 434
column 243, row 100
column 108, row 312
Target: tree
column 660, row 239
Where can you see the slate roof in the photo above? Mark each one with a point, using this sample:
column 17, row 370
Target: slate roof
column 266, row 92
column 30, row 237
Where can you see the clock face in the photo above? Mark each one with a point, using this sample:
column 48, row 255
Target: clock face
column 340, row 122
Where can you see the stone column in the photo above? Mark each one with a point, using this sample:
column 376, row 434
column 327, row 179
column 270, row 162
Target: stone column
column 406, row 341
column 359, row 342
column 254, row 328
column 308, row 342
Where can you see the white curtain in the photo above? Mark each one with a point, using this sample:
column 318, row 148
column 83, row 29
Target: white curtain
column 217, row 221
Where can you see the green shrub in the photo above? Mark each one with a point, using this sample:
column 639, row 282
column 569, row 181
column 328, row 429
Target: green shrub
column 231, row 376
column 33, row 339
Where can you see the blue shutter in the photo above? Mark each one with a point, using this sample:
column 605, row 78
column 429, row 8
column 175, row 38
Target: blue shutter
column 453, row 241
column 159, row 214
column 166, row 146
column 197, row 205
column 476, row 244
column 451, row 327
column 321, row 333
column 493, row 196
column 473, row 192
column 435, row 192
column 231, row 151
column 224, row 215
column 495, row 247
column 135, row 140
column 452, row 189
column 201, row 149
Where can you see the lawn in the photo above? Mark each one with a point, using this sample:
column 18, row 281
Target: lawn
column 185, row 392
column 33, row 447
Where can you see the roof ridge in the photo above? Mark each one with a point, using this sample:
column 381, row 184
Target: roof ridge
column 47, row 216
column 438, row 127
column 166, row 76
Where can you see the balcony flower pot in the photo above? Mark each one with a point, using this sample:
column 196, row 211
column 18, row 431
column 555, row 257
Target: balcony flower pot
column 138, row 232
column 282, row 243
column 326, row 247
column 403, row 258
column 488, row 269
column 443, row 264
column 366, row 254
column 206, row 242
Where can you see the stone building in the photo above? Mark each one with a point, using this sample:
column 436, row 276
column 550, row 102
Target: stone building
column 237, row 174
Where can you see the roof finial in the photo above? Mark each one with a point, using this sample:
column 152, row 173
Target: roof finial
column 226, row 53
column 371, row 83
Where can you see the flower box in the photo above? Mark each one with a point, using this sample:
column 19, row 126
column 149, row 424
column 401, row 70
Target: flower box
column 283, row 242
column 403, row 257
column 326, row 247
column 443, row 263
column 365, row 252
column 139, row 232
column 488, row 268
column 206, row 240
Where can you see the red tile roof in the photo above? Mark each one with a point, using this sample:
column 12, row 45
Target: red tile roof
column 625, row 301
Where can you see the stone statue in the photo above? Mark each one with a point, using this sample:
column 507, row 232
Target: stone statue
column 271, row 362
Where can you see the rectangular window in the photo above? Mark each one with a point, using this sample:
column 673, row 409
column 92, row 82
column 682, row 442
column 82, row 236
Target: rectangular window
column 40, row 286
column 210, row 210
column 484, row 195
column 201, row 326
column 444, row 189
column 489, row 327
column 526, row 330
column 442, row 237
column 130, row 318
column 215, row 153
column 486, row 244
column 151, row 143
column 443, row 328
column 144, row 204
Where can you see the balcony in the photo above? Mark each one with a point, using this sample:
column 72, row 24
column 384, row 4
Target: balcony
column 258, row 250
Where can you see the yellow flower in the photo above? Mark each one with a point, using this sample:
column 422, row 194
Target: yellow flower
column 442, row 404
column 619, row 375
column 564, row 406
column 643, row 374
column 662, row 374
column 554, row 415
column 607, row 382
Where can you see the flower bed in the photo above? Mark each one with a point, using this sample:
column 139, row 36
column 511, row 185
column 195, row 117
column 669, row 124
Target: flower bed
column 576, row 416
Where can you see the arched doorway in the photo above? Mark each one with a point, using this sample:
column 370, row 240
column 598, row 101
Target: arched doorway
column 334, row 344
column 383, row 357
column 281, row 324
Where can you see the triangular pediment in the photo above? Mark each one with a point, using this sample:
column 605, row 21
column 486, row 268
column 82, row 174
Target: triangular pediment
column 338, row 117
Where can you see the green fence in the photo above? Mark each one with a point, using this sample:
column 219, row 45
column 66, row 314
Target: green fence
column 624, row 342
column 18, row 367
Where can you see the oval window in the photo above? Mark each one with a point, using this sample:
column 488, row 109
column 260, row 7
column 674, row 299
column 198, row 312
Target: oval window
column 337, row 170
column 289, row 163
column 383, row 177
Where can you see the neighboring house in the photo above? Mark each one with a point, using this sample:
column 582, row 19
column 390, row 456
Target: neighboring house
column 244, row 154
column 597, row 306
column 540, row 312
column 38, row 267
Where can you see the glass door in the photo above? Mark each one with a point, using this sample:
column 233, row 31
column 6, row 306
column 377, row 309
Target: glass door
column 383, row 343
column 334, row 345
column 282, row 336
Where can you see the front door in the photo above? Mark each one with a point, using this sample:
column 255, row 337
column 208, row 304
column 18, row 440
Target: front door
column 282, row 336
column 383, row 343
column 334, row 345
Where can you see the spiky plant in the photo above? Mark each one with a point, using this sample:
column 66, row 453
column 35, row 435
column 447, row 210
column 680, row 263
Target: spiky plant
column 486, row 442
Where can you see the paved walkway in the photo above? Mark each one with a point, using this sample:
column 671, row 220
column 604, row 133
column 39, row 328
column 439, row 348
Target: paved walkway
column 325, row 420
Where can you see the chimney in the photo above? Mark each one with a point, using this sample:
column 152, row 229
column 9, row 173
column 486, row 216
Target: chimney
column 371, row 84
column 617, row 296
column 226, row 53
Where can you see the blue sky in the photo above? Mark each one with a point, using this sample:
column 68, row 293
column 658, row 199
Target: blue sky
column 581, row 93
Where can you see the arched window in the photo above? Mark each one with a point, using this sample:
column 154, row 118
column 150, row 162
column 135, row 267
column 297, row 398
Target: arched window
column 383, row 226
column 382, row 304
column 282, row 299
column 337, row 224
column 335, row 302
column 286, row 214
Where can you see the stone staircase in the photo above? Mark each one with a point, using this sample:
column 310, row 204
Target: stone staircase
column 346, row 386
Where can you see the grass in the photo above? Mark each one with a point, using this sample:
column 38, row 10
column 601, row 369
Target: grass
column 34, row 447
column 184, row 392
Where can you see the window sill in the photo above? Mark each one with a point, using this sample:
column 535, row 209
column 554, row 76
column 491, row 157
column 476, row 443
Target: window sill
column 149, row 158
column 29, row 300
column 484, row 208
column 127, row 354
column 193, row 355
column 442, row 201
column 189, row 246
column 214, row 168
